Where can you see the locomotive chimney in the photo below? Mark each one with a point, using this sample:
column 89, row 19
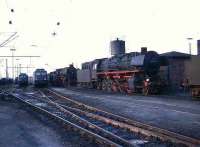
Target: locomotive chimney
column 143, row 50
column 198, row 47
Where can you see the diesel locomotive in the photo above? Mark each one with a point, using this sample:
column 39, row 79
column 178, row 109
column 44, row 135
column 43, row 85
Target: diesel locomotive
column 40, row 78
column 23, row 79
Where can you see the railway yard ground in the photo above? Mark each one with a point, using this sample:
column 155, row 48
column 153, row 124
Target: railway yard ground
column 57, row 117
column 24, row 128
column 176, row 114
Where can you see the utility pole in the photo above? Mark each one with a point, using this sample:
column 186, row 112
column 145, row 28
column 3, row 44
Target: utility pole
column 7, row 68
column 12, row 50
column 20, row 66
column 12, row 37
column 190, row 45
column 27, row 69
column 13, row 66
column 17, row 71
column 17, row 64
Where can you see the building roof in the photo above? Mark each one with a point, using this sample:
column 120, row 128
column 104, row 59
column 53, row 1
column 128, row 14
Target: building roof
column 175, row 54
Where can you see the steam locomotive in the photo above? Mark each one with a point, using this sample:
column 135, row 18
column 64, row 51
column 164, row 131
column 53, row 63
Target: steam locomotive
column 63, row 76
column 123, row 72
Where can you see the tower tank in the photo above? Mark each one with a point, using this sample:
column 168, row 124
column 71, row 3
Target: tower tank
column 117, row 47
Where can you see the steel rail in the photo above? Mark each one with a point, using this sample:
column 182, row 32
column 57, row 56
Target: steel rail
column 137, row 126
column 69, row 125
column 102, row 132
column 107, row 121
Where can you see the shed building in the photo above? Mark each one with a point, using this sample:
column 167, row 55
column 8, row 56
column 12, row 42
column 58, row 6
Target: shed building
column 182, row 67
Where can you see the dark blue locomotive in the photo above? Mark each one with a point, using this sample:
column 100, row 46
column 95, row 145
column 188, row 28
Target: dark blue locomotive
column 23, row 79
column 40, row 78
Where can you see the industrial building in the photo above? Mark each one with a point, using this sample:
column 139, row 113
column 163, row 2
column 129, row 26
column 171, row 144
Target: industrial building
column 182, row 69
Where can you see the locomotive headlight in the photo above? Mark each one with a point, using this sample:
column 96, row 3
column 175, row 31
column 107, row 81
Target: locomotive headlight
column 147, row 80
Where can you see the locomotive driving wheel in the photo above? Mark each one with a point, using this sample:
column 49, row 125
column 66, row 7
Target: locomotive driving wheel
column 99, row 86
column 104, row 85
column 107, row 85
column 114, row 87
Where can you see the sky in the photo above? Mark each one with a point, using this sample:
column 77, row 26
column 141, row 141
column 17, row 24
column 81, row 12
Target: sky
column 87, row 26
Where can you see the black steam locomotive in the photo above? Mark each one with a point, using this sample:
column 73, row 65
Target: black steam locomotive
column 123, row 72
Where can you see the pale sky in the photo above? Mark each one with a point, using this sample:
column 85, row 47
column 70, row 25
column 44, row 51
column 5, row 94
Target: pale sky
column 87, row 26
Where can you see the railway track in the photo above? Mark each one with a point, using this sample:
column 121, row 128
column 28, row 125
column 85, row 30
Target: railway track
column 48, row 109
column 104, row 137
column 117, row 120
column 105, row 128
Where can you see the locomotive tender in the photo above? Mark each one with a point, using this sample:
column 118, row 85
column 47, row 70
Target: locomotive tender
column 123, row 72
